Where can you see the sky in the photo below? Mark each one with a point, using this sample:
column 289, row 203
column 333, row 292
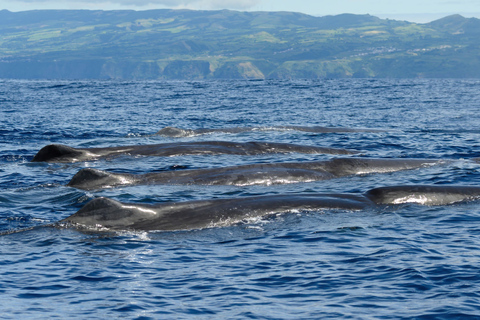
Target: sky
column 411, row 10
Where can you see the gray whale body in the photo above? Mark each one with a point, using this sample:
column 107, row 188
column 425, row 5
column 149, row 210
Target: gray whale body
column 114, row 215
column 174, row 132
column 254, row 174
column 62, row 153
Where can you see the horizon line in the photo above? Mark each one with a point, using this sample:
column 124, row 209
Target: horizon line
column 409, row 17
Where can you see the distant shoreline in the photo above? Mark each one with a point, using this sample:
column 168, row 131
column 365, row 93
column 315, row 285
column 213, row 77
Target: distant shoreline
column 189, row 44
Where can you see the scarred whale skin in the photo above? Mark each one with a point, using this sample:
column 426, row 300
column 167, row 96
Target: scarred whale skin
column 114, row 215
column 174, row 132
column 421, row 194
column 254, row 174
column 62, row 153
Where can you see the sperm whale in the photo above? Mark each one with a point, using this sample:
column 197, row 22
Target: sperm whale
column 62, row 153
column 174, row 132
column 114, row 215
column 253, row 174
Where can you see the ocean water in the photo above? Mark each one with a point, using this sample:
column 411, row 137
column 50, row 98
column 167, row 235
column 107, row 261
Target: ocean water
column 394, row 262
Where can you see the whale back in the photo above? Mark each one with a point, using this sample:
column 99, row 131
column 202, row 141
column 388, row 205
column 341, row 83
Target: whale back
column 105, row 212
column 175, row 132
column 353, row 166
column 253, row 174
column 108, row 213
column 58, row 153
column 61, row 153
column 426, row 195
column 89, row 179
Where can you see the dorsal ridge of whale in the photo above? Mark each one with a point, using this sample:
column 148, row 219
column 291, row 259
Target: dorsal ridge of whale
column 57, row 153
column 106, row 212
column 96, row 179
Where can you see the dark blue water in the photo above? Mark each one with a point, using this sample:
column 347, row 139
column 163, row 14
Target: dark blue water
column 398, row 262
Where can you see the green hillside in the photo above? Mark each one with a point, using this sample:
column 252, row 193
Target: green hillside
column 184, row 44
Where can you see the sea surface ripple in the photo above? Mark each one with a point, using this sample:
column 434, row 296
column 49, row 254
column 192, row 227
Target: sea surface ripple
column 391, row 262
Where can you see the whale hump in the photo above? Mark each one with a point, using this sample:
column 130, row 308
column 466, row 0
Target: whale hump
column 96, row 211
column 57, row 153
column 105, row 212
column 89, row 179
column 98, row 205
column 88, row 174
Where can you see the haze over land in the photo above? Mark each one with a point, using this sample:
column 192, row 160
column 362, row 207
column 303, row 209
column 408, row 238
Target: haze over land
column 411, row 10
column 186, row 44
